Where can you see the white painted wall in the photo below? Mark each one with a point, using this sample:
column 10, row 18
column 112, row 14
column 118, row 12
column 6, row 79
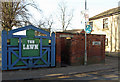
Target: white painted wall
column 112, row 33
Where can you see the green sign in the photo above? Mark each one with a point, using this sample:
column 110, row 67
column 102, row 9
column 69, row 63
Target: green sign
column 30, row 47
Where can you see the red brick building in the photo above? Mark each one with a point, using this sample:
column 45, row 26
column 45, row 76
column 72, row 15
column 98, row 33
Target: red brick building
column 70, row 48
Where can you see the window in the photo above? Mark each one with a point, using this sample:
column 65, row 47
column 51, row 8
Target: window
column 105, row 23
column 106, row 42
column 91, row 24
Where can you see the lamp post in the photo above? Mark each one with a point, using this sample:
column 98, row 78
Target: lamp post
column 85, row 60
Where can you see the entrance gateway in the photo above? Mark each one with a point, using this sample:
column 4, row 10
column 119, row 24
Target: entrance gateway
column 27, row 51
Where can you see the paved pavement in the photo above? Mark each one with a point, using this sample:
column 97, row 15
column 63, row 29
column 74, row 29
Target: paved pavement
column 110, row 63
column 111, row 74
column 113, row 54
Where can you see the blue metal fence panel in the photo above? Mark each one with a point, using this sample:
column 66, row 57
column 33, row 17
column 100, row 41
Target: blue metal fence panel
column 48, row 56
column 40, row 47
column 26, row 28
column 9, row 59
column 53, row 49
column 20, row 48
column 8, row 64
column 4, row 50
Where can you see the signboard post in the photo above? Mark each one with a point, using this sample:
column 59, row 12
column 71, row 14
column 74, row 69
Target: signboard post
column 88, row 29
column 85, row 62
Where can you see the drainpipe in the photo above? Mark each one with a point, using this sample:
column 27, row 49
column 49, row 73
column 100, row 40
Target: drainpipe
column 111, row 33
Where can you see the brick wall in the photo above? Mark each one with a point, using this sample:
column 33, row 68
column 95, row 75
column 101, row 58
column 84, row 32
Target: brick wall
column 71, row 51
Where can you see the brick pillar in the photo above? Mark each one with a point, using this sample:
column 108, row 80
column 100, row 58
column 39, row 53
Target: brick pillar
column 58, row 50
column 103, row 47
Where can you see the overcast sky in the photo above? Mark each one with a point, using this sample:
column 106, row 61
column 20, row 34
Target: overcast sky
column 49, row 7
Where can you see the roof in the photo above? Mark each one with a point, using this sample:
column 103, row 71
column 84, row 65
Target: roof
column 109, row 12
column 74, row 31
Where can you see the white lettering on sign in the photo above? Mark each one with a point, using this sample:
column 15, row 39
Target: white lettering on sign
column 96, row 43
column 30, row 45
column 31, row 41
column 66, row 35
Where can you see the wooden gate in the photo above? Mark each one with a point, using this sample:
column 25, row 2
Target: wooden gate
column 27, row 51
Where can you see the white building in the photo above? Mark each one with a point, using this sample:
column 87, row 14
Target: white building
column 108, row 23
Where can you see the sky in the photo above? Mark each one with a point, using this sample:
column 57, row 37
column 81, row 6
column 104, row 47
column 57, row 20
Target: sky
column 50, row 7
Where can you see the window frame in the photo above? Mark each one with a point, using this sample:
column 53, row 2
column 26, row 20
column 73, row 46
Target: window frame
column 106, row 41
column 105, row 23
column 91, row 23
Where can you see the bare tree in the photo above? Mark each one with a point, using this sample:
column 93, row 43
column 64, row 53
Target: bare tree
column 46, row 23
column 41, row 24
column 65, row 16
column 14, row 13
column 49, row 22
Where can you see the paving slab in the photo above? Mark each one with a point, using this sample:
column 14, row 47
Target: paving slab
column 51, row 72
